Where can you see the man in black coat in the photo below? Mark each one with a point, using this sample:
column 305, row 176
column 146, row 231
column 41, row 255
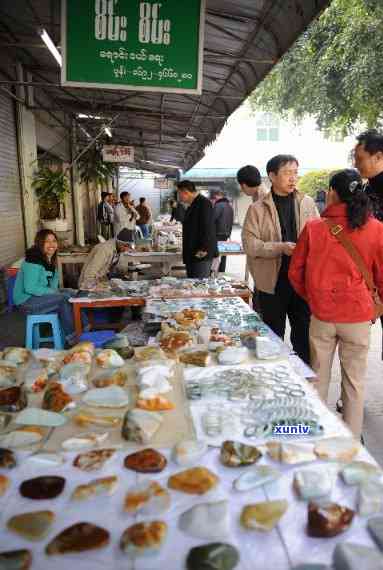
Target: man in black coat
column 223, row 218
column 368, row 158
column 199, row 241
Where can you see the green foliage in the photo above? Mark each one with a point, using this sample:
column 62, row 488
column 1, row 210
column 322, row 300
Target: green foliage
column 51, row 186
column 314, row 181
column 333, row 71
column 93, row 169
column 50, row 182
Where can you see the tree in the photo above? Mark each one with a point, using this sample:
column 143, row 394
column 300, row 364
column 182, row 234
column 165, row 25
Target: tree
column 333, row 71
column 314, row 181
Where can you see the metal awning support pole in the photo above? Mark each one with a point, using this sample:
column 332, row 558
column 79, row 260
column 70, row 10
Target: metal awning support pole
column 76, row 190
column 27, row 156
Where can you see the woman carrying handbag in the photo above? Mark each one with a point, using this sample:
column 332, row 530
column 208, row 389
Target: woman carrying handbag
column 337, row 267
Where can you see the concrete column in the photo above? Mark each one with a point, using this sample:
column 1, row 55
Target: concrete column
column 27, row 148
column 76, row 193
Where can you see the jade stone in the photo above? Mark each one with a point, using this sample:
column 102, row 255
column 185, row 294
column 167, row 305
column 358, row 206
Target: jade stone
column 212, row 556
column 351, row 556
column 311, row 566
column 375, row 528
column 15, row 560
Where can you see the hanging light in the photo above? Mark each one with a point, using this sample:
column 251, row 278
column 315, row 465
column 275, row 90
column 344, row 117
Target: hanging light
column 51, row 46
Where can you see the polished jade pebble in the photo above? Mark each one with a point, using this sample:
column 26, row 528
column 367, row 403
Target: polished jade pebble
column 213, row 556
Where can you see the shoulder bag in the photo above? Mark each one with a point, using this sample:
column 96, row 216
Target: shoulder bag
column 337, row 231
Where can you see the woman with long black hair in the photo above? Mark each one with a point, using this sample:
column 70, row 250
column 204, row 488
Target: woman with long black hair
column 36, row 289
column 323, row 272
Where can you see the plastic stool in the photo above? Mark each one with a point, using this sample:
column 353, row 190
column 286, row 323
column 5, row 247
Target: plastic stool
column 33, row 337
column 11, row 280
column 98, row 337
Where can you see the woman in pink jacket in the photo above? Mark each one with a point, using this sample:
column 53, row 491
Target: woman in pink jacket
column 324, row 274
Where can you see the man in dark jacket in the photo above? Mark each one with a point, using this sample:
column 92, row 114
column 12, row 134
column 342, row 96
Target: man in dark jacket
column 223, row 218
column 368, row 158
column 199, row 241
column 105, row 215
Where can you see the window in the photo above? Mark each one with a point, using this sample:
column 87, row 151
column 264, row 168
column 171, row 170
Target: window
column 261, row 134
column 267, row 128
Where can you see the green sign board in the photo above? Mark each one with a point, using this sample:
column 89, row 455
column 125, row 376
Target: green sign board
column 128, row 44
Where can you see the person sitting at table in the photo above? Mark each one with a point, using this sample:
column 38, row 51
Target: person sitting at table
column 36, row 289
column 102, row 262
column 323, row 273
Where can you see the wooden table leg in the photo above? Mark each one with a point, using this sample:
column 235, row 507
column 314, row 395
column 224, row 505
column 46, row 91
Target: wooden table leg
column 60, row 272
column 77, row 319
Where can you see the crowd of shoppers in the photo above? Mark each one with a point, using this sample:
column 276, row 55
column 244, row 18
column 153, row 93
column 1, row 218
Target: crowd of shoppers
column 114, row 217
column 321, row 272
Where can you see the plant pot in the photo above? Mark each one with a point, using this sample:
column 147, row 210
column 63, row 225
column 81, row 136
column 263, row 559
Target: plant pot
column 57, row 225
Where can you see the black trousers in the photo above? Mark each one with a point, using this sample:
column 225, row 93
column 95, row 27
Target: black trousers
column 198, row 269
column 222, row 264
column 286, row 303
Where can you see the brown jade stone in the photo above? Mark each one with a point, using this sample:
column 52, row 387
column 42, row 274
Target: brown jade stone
column 15, row 560
column 235, row 454
column 194, row 481
column 4, row 484
column 143, row 537
column 77, row 538
column 328, row 520
column 146, row 461
column 41, row 488
column 13, row 399
column 55, row 398
column 92, row 460
column 7, row 458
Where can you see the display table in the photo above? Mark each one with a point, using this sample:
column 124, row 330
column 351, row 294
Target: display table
column 282, row 548
column 165, row 258
column 140, row 299
column 95, row 303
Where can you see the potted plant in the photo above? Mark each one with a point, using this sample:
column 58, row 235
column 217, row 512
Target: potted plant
column 51, row 186
column 93, row 169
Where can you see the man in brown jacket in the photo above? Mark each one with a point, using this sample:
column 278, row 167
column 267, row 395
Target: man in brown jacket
column 145, row 217
column 269, row 234
column 102, row 262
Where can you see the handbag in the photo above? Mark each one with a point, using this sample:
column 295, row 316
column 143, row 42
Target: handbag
column 337, row 231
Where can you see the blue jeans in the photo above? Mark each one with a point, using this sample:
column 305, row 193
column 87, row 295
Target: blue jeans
column 54, row 303
column 145, row 230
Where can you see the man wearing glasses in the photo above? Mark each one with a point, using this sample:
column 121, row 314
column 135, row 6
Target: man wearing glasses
column 269, row 235
column 368, row 159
